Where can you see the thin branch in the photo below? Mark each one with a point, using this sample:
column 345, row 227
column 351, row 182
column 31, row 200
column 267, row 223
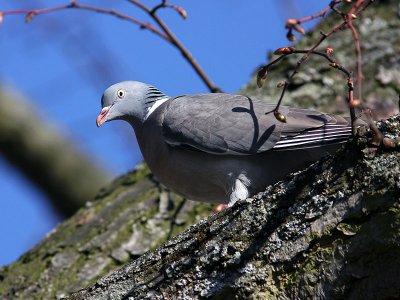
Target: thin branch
column 292, row 24
column 173, row 40
column 164, row 32
column 286, row 51
column 320, row 14
column 125, row 17
column 353, row 12
column 350, row 85
column 33, row 12
column 356, row 9
column 358, row 57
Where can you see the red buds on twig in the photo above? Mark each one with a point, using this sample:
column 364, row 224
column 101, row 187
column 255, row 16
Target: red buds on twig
column 182, row 12
column 299, row 29
column 291, row 22
column 329, row 50
column 284, row 50
column 354, row 103
column 281, row 84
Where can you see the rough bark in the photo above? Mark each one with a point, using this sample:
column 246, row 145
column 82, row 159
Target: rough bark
column 45, row 157
column 128, row 218
column 331, row 231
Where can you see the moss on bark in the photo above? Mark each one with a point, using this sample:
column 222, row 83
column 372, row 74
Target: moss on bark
column 329, row 232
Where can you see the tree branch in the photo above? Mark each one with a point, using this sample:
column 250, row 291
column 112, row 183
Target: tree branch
column 65, row 175
column 292, row 24
column 327, row 232
column 165, row 33
column 174, row 41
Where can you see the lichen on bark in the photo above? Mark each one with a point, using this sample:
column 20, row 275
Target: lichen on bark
column 331, row 231
column 122, row 223
column 327, row 232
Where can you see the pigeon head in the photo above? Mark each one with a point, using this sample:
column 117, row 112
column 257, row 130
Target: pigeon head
column 128, row 100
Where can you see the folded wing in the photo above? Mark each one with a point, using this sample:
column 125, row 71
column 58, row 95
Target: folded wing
column 234, row 124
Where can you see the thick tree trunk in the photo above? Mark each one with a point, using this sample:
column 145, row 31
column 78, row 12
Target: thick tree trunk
column 45, row 157
column 331, row 231
column 128, row 218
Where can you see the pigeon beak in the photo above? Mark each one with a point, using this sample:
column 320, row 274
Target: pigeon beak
column 102, row 117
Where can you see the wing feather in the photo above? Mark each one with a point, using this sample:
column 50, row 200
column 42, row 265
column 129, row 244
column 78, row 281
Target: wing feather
column 234, row 124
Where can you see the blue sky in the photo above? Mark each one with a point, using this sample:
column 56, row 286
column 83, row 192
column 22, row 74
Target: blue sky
column 64, row 60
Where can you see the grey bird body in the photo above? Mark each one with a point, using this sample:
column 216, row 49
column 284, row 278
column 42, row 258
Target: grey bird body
column 220, row 147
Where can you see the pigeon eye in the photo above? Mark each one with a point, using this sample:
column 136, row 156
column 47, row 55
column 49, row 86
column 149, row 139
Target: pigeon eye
column 121, row 94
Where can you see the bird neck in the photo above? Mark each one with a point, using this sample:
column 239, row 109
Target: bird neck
column 150, row 109
column 153, row 99
column 149, row 101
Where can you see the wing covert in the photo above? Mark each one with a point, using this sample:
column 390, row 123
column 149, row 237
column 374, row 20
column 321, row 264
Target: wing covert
column 232, row 124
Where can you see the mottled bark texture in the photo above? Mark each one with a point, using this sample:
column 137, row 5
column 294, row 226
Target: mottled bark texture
column 331, row 231
column 45, row 156
column 126, row 219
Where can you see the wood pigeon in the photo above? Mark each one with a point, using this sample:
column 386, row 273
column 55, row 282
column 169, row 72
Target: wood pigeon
column 220, row 147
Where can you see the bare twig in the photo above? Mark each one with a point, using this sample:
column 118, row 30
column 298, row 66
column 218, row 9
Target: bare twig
column 320, row 14
column 163, row 31
column 174, row 41
column 348, row 17
column 286, row 51
column 353, row 12
column 292, row 24
column 30, row 13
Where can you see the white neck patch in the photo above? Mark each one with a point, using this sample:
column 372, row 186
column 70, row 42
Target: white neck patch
column 155, row 105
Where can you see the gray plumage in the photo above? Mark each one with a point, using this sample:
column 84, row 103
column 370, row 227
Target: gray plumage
column 220, row 147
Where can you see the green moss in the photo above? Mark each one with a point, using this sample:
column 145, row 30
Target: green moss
column 199, row 211
column 141, row 171
column 348, row 229
column 306, row 269
column 394, row 210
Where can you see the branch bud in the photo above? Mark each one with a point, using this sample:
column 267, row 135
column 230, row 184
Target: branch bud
column 261, row 77
column 353, row 16
column 291, row 23
column 281, row 84
column 329, row 50
column 299, row 29
column 284, row 50
column 279, row 116
column 334, row 65
column 290, row 36
column 29, row 17
column 355, row 102
column 182, row 12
